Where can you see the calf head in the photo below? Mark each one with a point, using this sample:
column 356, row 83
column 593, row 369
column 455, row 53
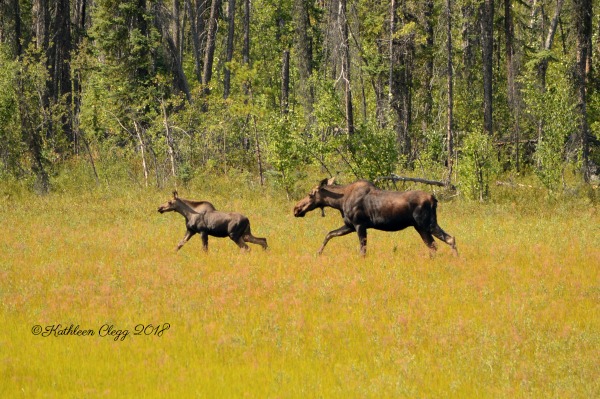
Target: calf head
column 169, row 206
column 313, row 200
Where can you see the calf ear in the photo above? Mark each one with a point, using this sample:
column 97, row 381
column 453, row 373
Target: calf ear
column 323, row 182
column 175, row 194
column 331, row 181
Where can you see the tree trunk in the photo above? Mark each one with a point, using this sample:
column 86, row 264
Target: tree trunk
column 42, row 23
column 513, row 92
column 60, row 62
column 450, row 83
column 583, row 22
column 31, row 132
column 547, row 44
column 138, row 132
column 176, row 65
column 429, row 51
column 229, row 51
column 487, row 45
column 141, row 24
column 42, row 32
column 258, row 153
column 246, row 47
column 210, row 45
column 467, row 34
column 169, row 136
column 196, row 29
column 304, row 55
column 176, row 25
column 400, row 81
column 345, row 49
column 285, row 82
column 18, row 45
column 80, row 18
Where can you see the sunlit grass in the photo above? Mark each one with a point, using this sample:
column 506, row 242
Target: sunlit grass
column 516, row 315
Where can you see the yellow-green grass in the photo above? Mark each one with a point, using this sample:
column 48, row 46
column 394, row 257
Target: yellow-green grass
column 517, row 314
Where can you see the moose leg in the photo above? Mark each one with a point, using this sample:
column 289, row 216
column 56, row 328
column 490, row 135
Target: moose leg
column 204, row 236
column 236, row 233
column 342, row 231
column 240, row 243
column 447, row 238
column 256, row 240
column 188, row 234
column 428, row 240
column 248, row 237
column 362, row 237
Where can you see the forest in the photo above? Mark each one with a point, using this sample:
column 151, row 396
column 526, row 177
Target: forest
column 457, row 91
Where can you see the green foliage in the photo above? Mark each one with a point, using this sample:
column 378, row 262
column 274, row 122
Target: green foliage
column 374, row 151
column 477, row 165
column 123, row 70
column 434, row 151
column 284, row 151
column 553, row 110
column 10, row 139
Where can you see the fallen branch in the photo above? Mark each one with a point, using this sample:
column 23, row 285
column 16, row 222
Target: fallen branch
column 513, row 185
column 396, row 178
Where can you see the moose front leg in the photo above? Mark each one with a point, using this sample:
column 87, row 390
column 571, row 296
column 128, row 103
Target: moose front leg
column 342, row 231
column 188, row 234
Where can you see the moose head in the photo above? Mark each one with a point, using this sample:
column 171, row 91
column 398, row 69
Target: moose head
column 169, row 206
column 313, row 200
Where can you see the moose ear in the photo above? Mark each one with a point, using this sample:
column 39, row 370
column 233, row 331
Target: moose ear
column 175, row 194
column 323, row 182
column 331, row 181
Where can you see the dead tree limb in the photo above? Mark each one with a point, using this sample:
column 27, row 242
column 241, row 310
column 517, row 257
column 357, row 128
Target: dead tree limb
column 513, row 185
column 395, row 178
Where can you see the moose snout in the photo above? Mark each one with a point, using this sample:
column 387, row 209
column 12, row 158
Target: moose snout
column 298, row 213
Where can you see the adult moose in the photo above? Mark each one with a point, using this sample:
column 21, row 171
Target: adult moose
column 363, row 206
column 201, row 217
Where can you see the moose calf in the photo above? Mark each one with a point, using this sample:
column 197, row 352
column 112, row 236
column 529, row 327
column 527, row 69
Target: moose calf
column 202, row 218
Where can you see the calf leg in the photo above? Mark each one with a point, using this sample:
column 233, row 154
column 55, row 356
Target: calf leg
column 204, row 236
column 188, row 234
column 240, row 243
column 256, row 240
column 447, row 238
column 428, row 240
column 342, row 231
column 237, row 232
column 248, row 237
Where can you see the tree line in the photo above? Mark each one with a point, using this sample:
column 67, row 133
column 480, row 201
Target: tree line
column 459, row 89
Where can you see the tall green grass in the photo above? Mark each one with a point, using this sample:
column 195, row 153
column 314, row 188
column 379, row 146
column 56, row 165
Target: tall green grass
column 517, row 314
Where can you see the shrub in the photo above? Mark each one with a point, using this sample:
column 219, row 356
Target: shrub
column 477, row 165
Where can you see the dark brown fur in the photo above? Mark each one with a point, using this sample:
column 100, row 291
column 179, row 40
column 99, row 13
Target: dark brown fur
column 363, row 206
column 201, row 217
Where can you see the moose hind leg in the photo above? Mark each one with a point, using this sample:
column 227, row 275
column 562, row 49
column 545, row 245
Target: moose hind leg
column 428, row 240
column 248, row 237
column 256, row 240
column 240, row 243
column 447, row 238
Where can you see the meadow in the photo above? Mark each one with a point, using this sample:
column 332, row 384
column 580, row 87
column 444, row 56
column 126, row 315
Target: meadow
column 516, row 315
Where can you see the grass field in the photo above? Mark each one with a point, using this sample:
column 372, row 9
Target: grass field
column 517, row 314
